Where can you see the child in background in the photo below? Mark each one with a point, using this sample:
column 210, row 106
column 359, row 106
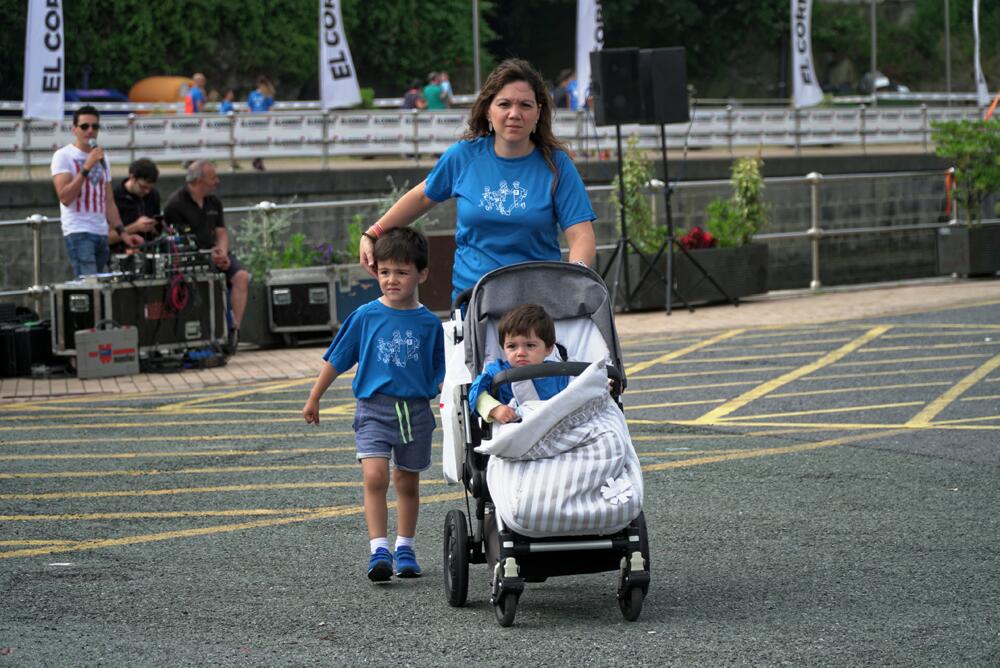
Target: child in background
column 398, row 346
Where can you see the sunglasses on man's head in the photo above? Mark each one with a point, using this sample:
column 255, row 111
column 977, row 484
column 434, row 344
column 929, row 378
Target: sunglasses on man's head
column 87, row 126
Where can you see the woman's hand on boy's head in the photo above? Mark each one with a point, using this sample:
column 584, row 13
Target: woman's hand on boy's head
column 504, row 414
column 311, row 412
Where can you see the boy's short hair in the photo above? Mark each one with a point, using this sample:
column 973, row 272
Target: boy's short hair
column 402, row 244
column 144, row 169
column 527, row 319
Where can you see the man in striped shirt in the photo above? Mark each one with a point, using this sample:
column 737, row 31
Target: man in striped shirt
column 81, row 175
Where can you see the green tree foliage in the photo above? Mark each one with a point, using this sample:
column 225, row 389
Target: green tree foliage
column 232, row 41
column 735, row 48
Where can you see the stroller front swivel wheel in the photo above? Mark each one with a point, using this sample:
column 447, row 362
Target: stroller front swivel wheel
column 456, row 558
column 631, row 604
column 505, row 608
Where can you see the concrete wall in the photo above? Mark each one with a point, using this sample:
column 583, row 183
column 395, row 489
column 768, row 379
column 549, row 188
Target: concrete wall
column 881, row 202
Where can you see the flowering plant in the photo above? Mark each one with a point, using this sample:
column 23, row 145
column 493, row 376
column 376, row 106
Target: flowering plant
column 698, row 238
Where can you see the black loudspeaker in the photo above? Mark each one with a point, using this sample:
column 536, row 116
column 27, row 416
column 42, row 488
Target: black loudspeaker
column 663, row 85
column 615, row 86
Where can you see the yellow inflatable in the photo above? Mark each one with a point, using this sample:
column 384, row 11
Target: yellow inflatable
column 160, row 89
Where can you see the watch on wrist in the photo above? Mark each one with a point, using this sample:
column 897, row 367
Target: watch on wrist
column 120, row 229
column 85, row 172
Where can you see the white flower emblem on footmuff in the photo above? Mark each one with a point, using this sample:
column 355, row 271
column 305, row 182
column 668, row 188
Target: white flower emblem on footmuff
column 617, row 491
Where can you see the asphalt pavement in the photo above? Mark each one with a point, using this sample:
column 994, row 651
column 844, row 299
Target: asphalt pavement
column 821, row 479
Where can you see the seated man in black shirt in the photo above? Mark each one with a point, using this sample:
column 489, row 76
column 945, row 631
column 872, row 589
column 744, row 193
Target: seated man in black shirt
column 194, row 209
column 138, row 202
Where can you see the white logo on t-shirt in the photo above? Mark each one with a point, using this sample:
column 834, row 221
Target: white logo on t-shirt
column 504, row 199
column 399, row 349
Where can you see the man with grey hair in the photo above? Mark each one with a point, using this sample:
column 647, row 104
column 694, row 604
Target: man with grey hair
column 195, row 210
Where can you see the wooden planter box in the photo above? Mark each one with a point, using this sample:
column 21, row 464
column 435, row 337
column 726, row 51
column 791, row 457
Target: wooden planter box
column 741, row 272
column 969, row 251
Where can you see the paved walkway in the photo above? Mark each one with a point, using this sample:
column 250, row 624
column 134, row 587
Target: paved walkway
column 771, row 310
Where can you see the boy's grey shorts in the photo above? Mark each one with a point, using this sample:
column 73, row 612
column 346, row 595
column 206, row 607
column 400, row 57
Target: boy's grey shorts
column 397, row 429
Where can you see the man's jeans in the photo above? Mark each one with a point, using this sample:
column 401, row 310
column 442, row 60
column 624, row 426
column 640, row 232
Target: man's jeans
column 88, row 252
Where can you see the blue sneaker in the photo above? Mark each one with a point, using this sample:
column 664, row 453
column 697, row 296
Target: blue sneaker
column 406, row 562
column 380, row 566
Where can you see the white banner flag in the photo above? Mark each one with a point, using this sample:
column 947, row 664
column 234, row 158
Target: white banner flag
column 805, row 88
column 589, row 37
column 44, row 82
column 982, row 92
column 338, row 82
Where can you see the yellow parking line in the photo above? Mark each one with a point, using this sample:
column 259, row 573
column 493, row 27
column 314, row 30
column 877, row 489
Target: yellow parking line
column 237, row 393
column 673, row 404
column 771, row 385
column 317, row 514
column 933, row 346
column 842, row 390
column 663, row 359
column 765, row 452
column 932, row 409
column 138, row 473
column 821, row 411
column 181, row 439
column 150, row 515
column 178, row 453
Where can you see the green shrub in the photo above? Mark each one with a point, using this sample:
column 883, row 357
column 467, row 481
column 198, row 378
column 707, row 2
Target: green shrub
column 975, row 148
column 735, row 221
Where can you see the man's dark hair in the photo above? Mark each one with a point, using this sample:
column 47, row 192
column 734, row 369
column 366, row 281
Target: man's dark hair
column 85, row 110
column 144, row 169
column 527, row 319
column 402, row 244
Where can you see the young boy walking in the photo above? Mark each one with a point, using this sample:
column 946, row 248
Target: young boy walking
column 398, row 346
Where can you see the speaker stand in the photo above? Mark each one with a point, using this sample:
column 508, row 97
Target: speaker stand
column 671, row 242
column 619, row 258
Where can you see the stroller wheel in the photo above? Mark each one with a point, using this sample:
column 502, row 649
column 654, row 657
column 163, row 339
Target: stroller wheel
column 506, row 608
column 456, row 558
column 631, row 604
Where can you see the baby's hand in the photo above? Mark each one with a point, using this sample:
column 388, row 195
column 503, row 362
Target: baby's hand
column 504, row 414
column 311, row 412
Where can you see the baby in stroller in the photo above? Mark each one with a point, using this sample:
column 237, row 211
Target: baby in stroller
column 527, row 336
column 544, row 449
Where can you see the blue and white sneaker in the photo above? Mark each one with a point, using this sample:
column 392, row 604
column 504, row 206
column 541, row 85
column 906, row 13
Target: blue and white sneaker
column 380, row 565
column 406, row 562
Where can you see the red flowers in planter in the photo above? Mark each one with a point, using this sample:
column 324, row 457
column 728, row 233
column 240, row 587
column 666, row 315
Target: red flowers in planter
column 698, row 238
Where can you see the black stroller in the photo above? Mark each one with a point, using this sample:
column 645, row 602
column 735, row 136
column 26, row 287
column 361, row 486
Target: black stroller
column 557, row 537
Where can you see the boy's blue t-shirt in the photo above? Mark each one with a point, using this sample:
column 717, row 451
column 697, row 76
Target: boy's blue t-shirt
column 399, row 353
column 507, row 212
column 258, row 102
column 546, row 387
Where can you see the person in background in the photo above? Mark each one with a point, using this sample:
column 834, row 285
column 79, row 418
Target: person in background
column 515, row 185
column 138, row 202
column 226, row 106
column 259, row 101
column 433, row 93
column 562, row 96
column 81, row 176
column 414, row 98
column 194, row 209
column 446, row 92
column 194, row 102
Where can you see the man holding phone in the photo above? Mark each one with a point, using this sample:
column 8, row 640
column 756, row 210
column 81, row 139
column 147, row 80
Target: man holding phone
column 138, row 202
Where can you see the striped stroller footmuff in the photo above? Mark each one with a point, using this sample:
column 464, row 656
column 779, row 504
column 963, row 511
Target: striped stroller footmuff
column 569, row 467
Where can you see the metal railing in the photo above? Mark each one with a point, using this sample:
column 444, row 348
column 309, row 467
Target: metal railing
column 416, row 134
column 814, row 233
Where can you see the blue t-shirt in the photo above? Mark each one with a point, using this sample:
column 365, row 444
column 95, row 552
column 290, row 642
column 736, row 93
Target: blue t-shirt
column 399, row 353
column 225, row 106
column 507, row 212
column 258, row 102
column 546, row 387
column 195, row 101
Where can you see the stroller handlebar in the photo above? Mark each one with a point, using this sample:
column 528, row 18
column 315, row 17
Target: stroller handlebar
column 549, row 369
